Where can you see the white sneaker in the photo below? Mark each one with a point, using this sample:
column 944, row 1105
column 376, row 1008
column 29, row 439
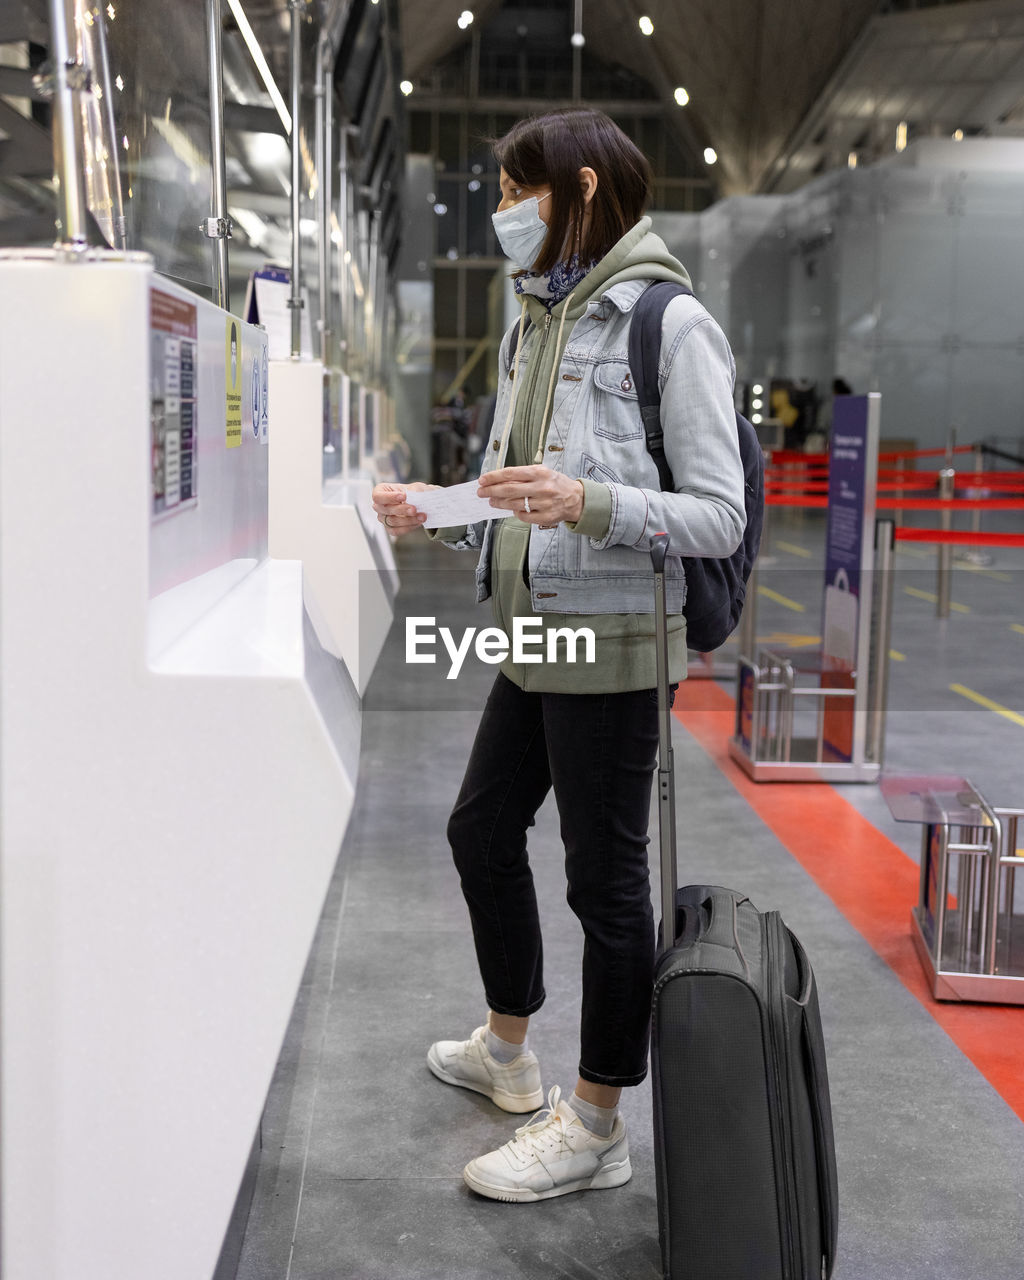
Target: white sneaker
column 513, row 1086
column 555, row 1154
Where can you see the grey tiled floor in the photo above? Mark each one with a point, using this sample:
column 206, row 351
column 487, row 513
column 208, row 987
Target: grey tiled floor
column 360, row 1172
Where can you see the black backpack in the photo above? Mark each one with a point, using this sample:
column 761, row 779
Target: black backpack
column 715, row 588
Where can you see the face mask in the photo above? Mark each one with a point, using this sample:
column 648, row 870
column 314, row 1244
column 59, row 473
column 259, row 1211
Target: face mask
column 521, row 231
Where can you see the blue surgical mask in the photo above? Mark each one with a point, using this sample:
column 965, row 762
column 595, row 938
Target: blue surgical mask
column 521, row 231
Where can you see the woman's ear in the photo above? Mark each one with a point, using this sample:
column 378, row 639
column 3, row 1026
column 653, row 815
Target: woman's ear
column 588, row 184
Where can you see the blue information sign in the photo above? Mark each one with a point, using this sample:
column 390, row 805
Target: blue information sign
column 849, row 482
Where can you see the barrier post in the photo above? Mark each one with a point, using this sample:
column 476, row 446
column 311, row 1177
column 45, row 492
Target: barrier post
column 885, row 534
column 947, row 484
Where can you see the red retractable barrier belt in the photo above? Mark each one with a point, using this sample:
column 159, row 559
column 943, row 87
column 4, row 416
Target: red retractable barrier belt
column 960, row 537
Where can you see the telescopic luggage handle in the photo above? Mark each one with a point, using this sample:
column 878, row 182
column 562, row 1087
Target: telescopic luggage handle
column 666, row 786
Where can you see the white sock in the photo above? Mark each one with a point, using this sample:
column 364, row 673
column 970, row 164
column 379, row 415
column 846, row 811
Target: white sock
column 501, row 1050
column 599, row 1120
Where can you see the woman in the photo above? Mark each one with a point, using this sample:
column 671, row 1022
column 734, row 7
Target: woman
column 568, row 456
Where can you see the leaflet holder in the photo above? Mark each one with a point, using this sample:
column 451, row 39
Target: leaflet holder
column 971, row 942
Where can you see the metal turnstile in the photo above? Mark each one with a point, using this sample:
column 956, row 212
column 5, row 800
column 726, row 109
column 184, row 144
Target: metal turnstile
column 965, row 930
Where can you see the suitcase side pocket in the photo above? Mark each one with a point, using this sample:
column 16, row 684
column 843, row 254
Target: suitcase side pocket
column 808, row 1046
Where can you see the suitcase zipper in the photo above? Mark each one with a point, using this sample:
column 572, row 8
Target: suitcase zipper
column 775, row 977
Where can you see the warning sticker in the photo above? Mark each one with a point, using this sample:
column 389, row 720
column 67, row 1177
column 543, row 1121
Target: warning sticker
column 233, row 384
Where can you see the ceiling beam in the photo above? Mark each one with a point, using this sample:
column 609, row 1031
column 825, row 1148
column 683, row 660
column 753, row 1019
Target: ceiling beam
column 19, row 82
column 520, row 107
column 28, row 150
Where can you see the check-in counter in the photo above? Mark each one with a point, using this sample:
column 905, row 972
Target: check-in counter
column 350, row 577
column 178, row 755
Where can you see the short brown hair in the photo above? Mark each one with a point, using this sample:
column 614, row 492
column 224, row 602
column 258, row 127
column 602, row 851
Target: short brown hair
column 550, row 150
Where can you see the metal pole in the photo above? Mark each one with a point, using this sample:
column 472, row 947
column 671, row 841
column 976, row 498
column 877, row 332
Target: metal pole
column 345, row 248
column 884, row 545
column 577, row 54
column 218, row 226
column 323, row 231
column 69, row 78
column 666, row 793
column 297, row 8
column 947, row 484
column 748, row 618
column 327, row 184
column 372, row 299
column 990, row 886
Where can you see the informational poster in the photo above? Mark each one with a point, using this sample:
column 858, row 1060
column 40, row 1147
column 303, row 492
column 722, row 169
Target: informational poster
column 233, row 383
column 173, row 411
column 932, row 853
column 266, row 304
column 745, row 709
column 259, row 394
column 848, row 482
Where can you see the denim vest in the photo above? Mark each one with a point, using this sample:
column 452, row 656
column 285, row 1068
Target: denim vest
column 595, row 433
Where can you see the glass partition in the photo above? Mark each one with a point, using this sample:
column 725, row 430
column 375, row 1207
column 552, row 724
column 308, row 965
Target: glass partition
column 161, row 110
column 100, row 159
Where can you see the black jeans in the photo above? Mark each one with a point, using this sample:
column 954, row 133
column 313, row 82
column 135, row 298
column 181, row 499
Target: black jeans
column 598, row 752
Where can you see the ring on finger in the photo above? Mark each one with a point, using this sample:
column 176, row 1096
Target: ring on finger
column 526, row 505
column 387, row 522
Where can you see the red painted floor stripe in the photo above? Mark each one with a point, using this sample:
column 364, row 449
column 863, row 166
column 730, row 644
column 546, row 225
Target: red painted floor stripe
column 868, row 877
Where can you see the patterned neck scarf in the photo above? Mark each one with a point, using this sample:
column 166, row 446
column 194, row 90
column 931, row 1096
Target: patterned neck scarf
column 554, row 285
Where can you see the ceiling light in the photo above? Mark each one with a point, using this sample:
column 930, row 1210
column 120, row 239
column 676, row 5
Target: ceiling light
column 710, row 155
column 851, row 160
column 465, row 18
column 577, row 40
column 681, row 96
column 253, row 45
column 406, row 87
column 958, row 136
column 901, row 136
column 755, row 418
column 647, row 26
column 757, row 388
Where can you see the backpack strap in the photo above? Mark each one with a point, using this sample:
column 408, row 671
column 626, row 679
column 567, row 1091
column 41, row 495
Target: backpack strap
column 644, row 357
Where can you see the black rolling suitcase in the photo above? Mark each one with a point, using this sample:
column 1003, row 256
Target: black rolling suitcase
column 743, row 1141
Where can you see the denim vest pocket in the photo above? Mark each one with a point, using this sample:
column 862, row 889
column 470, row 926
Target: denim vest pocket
column 592, row 469
column 616, row 408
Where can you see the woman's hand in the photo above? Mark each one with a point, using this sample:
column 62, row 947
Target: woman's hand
column 536, row 494
column 394, row 513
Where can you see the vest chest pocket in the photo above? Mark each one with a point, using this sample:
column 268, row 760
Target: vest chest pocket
column 616, row 409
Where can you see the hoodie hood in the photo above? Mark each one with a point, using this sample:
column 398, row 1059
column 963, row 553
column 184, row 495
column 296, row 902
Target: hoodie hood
column 639, row 255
